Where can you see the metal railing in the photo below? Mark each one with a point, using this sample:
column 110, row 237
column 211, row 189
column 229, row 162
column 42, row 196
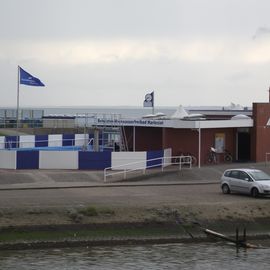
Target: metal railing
column 142, row 165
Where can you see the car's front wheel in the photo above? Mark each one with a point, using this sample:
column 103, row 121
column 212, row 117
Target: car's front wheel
column 254, row 192
column 226, row 189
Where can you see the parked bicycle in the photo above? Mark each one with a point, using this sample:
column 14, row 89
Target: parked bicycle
column 227, row 156
column 212, row 156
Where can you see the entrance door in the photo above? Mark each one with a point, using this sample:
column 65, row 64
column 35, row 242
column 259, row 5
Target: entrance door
column 243, row 146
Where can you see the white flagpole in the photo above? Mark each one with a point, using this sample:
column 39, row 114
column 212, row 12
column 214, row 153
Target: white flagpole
column 18, row 100
column 153, row 103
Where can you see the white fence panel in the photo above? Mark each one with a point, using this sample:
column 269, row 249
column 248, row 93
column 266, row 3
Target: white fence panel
column 2, row 142
column 8, row 159
column 126, row 160
column 81, row 139
column 58, row 160
column 167, row 156
column 55, row 140
column 27, row 141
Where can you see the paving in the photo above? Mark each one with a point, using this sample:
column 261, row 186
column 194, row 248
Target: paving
column 53, row 179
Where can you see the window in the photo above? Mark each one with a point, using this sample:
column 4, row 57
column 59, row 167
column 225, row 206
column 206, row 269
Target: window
column 234, row 174
column 244, row 176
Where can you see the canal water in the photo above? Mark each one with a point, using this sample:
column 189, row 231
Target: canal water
column 170, row 256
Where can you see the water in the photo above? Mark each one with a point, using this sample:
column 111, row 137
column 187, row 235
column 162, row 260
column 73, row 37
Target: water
column 125, row 112
column 171, row 256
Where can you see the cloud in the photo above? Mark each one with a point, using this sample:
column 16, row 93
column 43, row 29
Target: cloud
column 262, row 32
column 110, row 51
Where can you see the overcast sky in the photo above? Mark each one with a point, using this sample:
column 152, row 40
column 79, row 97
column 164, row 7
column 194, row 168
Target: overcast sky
column 113, row 52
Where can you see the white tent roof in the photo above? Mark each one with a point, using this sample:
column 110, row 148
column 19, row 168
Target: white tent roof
column 180, row 113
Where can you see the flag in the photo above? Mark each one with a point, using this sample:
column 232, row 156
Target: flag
column 27, row 79
column 149, row 100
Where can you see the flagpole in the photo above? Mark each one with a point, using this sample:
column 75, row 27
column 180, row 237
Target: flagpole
column 153, row 103
column 17, row 112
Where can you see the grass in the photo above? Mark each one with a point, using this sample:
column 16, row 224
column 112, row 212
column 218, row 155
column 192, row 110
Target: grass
column 98, row 233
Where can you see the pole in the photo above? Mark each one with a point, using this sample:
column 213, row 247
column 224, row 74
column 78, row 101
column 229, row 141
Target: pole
column 153, row 103
column 199, row 147
column 134, row 139
column 17, row 112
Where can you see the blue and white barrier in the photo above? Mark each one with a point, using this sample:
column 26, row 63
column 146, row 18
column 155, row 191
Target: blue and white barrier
column 82, row 160
column 52, row 140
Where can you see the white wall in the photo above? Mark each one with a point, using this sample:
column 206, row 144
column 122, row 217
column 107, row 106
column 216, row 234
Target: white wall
column 123, row 159
column 8, row 159
column 55, row 140
column 58, row 160
column 80, row 139
column 27, row 141
column 2, row 142
column 167, row 156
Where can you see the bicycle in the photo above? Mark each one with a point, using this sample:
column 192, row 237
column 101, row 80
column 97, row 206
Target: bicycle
column 227, row 156
column 212, row 156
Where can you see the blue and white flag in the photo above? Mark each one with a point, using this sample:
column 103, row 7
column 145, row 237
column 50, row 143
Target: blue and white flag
column 27, row 79
column 149, row 100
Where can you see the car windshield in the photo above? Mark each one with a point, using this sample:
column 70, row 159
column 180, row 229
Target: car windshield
column 260, row 176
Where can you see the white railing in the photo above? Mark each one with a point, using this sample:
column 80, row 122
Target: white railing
column 142, row 165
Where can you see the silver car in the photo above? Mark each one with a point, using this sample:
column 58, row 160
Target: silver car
column 248, row 181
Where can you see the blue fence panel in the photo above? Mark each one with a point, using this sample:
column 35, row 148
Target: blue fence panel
column 41, row 140
column 152, row 155
column 10, row 141
column 94, row 160
column 27, row 159
column 68, row 139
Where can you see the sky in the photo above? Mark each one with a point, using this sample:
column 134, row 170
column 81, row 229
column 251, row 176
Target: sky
column 114, row 52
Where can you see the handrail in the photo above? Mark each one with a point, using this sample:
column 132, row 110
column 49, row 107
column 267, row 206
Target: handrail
column 181, row 160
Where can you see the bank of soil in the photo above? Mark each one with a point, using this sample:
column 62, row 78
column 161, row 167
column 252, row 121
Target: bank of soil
column 92, row 225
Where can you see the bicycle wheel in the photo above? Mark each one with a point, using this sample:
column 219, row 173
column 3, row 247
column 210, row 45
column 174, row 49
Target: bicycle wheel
column 210, row 159
column 194, row 160
column 228, row 158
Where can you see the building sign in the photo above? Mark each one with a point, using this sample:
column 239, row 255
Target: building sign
column 130, row 122
column 220, row 142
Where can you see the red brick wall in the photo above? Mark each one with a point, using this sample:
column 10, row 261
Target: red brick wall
column 260, row 136
column 147, row 138
column 187, row 140
column 180, row 140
